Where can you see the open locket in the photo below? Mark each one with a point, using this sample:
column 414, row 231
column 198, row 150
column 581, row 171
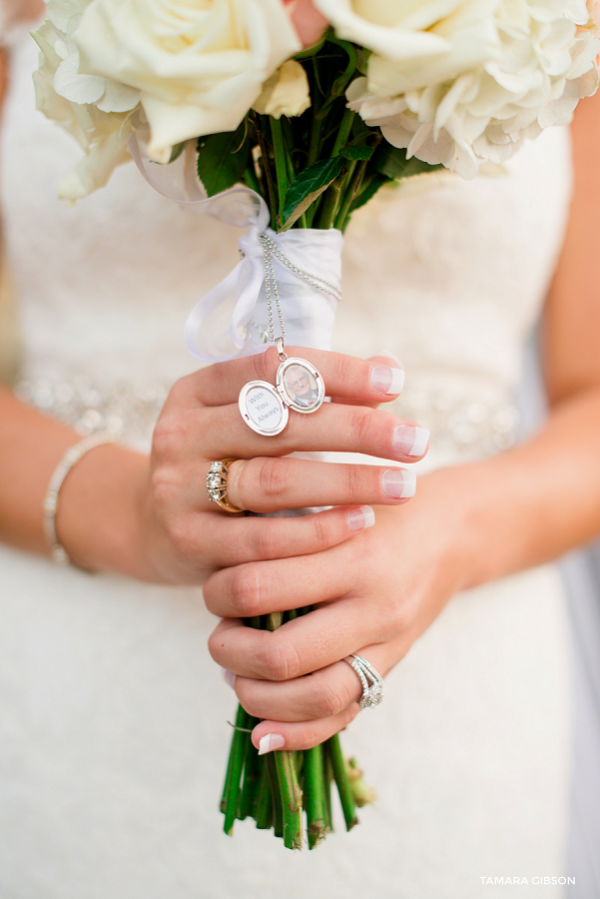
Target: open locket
column 299, row 386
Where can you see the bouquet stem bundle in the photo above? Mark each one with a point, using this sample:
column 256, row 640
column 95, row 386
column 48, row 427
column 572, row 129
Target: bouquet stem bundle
column 276, row 788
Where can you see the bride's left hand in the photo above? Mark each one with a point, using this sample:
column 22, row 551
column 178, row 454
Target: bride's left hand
column 373, row 597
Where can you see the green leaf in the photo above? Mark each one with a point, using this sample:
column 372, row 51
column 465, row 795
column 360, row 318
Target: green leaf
column 307, row 187
column 222, row 159
column 392, row 161
column 358, row 153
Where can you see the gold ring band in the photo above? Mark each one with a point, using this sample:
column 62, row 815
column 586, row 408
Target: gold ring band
column 216, row 484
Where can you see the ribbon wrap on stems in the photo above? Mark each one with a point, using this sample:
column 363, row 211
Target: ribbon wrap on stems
column 231, row 320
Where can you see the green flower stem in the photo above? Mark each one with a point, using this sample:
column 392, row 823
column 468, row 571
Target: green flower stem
column 266, row 166
column 328, row 778
column 302, row 221
column 251, row 778
column 291, row 799
column 281, row 166
column 341, row 778
column 263, row 810
column 329, row 208
column 275, row 794
column 344, row 132
column 274, row 620
column 231, row 793
column 312, row 211
column 315, row 141
column 314, row 785
column 352, row 192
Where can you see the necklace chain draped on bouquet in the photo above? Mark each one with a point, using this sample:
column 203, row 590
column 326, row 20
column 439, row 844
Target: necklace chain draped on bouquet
column 312, row 106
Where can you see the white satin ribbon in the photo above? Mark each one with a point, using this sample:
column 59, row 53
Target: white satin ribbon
column 230, row 320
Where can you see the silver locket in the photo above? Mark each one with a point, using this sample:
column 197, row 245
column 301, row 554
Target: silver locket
column 265, row 408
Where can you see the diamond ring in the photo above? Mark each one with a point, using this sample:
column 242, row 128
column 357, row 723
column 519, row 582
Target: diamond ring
column 371, row 681
column 216, row 484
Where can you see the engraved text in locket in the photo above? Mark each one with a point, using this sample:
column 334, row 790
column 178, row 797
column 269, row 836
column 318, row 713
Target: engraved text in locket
column 262, row 408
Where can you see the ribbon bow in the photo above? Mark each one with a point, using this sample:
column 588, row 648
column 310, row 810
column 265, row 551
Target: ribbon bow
column 216, row 329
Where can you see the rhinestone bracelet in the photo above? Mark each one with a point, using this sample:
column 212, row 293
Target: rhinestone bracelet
column 50, row 505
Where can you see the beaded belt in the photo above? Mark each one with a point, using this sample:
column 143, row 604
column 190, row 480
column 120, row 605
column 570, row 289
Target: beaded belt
column 469, row 426
column 129, row 410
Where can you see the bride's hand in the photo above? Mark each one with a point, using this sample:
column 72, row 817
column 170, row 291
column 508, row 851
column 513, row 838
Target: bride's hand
column 185, row 537
column 373, row 597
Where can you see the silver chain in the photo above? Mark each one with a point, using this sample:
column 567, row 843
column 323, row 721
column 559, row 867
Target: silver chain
column 270, row 250
column 312, row 280
column 271, row 287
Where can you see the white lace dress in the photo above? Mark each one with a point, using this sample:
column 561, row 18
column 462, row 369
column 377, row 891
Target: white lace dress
column 113, row 730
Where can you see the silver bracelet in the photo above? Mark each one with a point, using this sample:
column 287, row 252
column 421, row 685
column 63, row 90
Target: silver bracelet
column 50, row 505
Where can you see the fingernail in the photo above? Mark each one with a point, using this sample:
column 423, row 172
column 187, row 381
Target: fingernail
column 399, row 483
column 229, row 677
column 410, row 441
column 270, row 742
column 362, row 518
column 390, row 356
column 388, row 381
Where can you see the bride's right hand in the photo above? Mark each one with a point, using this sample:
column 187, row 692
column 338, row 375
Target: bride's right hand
column 185, row 537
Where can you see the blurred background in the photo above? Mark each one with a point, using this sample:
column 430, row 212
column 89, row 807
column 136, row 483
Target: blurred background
column 581, row 571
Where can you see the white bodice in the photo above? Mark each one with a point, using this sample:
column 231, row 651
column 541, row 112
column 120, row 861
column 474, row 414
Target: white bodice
column 448, row 275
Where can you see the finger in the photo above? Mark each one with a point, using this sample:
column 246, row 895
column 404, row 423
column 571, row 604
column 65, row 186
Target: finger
column 318, row 695
column 258, row 588
column 298, row 647
column 269, row 484
column 235, row 541
column 385, row 359
column 270, row 735
column 221, row 432
column 375, row 381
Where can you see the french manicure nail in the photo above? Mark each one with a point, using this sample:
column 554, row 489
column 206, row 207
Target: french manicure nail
column 388, row 381
column 410, row 441
column 399, row 483
column 362, row 518
column 270, row 742
column 229, row 677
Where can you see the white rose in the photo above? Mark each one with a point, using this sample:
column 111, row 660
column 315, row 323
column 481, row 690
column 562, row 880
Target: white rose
column 401, row 29
column 199, row 67
column 99, row 113
column 286, row 92
column 538, row 59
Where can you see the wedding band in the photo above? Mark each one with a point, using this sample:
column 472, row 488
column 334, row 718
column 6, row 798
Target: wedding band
column 371, row 681
column 216, row 484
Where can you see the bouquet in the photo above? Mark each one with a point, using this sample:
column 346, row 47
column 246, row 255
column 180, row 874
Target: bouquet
column 312, row 106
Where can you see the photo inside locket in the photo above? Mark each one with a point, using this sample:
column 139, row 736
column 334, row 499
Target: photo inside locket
column 301, row 386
